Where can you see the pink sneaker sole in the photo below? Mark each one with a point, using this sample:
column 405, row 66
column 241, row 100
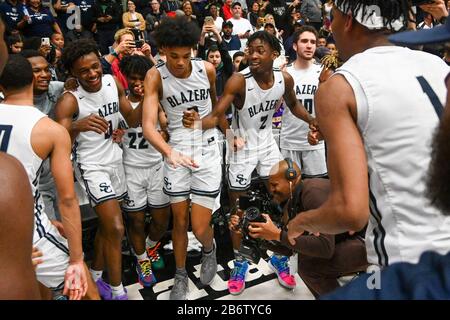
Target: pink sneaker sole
column 280, row 279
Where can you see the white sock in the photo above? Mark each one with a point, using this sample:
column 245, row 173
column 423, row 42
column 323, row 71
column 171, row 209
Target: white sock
column 96, row 274
column 150, row 243
column 141, row 257
column 117, row 291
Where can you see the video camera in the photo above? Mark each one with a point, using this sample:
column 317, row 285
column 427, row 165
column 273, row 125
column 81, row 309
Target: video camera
column 253, row 205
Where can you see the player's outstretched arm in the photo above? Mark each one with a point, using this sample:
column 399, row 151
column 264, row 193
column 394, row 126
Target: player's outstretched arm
column 347, row 207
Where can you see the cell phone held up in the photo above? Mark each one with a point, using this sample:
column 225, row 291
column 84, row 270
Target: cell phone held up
column 45, row 41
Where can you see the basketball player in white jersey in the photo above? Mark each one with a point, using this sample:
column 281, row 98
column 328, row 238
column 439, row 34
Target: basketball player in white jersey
column 98, row 99
column 31, row 137
column 192, row 162
column 143, row 166
column 293, row 136
column 255, row 93
column 377, row 114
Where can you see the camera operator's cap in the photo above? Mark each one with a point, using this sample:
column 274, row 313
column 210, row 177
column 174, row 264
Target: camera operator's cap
column 424, row 36
column 227, row 24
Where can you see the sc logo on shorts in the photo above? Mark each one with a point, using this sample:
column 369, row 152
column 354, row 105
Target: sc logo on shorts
column 167, row 184
column 241, row 180
column 130, row 203
column 104, row 187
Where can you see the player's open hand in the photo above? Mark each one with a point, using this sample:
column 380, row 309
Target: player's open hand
column 177, row 159
column 75, row 281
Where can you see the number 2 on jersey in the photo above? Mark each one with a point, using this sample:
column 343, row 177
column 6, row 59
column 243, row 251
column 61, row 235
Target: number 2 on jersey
column 5, row 135
column 263, row 122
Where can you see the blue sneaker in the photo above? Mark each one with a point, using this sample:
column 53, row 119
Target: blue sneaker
column 104, row 289
column 144, row 271
column 236, row 283
column 280, row 266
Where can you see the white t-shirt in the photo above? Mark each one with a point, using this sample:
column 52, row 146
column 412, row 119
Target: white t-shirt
column 240, row 26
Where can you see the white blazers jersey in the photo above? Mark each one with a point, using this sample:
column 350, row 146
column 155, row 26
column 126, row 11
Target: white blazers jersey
column 254, row 121
column 91, row 148
column 294, row 131
column 181, row 94
column 16, row 125
column 396, row 90
column 137, row 151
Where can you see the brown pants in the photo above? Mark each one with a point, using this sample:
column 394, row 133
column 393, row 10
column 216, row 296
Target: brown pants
column 320, row 275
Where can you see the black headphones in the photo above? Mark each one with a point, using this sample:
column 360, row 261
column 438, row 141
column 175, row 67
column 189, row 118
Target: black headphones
column 290, row 172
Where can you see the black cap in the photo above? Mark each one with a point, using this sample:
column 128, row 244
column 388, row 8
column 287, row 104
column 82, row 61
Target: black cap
column 227, row 23
column 236, row 3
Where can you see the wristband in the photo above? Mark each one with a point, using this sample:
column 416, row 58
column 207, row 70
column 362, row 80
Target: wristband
column 115, row 54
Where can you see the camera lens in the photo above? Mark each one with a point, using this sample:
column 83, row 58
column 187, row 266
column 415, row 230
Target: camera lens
column 252, row 213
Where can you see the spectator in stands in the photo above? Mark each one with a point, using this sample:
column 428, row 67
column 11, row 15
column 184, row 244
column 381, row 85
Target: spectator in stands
column 288, row 43
column 63, row 9
column 311, row 11
column 321, row 42
column 237, row 58
column 42, row 24
column 188, row 11
column 57, row 40
column 241, row 26
column 132, row 19
column 12, row 13
column 170, row 6
column 127, row 36
column 87, row 16
column 268, row 18
column 332, row 47
column 14, row 43
column 154, row 16
column 214, row 11
column 279, row 11
column 293, row 15
column 107, row 14
column 217, row 54
column 226, row 9
column 253, row 13
column 232, row 42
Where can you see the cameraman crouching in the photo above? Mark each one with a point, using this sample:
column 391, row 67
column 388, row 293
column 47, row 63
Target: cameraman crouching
column 322, row 259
